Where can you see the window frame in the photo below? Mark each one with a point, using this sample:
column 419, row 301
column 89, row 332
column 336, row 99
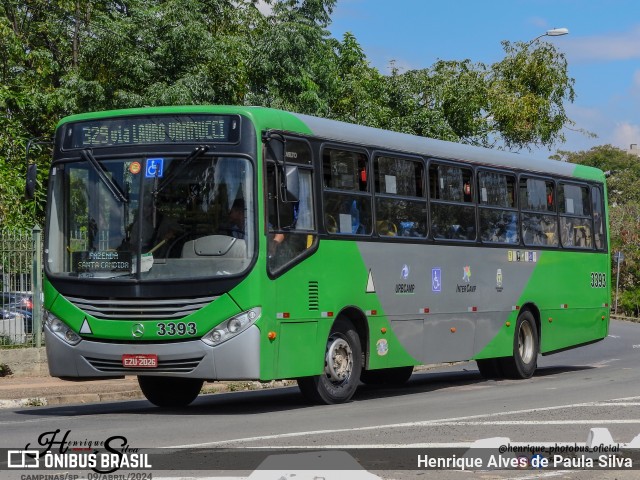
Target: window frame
column 473, row 203
column 588, row 217
column 366, row 194
column 309, row 166
column 489, row 207
column 550, row 213
column 375, row 156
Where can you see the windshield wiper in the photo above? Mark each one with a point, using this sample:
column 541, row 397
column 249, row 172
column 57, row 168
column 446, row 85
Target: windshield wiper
column 197, row 152
column 102, row 174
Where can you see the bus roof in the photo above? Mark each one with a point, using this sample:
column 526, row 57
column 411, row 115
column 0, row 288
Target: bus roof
column 368, row 136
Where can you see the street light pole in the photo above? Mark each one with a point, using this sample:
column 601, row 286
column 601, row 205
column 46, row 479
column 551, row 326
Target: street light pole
column 554, row 32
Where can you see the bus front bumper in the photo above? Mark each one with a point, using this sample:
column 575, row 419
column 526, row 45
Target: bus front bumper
column 235, row 359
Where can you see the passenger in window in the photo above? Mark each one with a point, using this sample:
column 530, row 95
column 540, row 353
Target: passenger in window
column 386, row 228
column 467, row 192
column 549, row 231
column 550, row 202
column 599, row 236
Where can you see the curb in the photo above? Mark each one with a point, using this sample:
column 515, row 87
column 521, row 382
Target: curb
column 85, row 398
column 135, row 394
column 81, row 398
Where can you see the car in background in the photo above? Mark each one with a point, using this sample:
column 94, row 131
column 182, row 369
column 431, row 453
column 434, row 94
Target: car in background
column 21, row 299
column 12, row 303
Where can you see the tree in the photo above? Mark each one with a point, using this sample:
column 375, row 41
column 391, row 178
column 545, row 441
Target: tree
column 514, row 104
column 59, row 57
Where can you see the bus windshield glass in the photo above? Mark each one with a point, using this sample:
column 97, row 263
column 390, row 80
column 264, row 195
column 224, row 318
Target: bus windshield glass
column 144, row 218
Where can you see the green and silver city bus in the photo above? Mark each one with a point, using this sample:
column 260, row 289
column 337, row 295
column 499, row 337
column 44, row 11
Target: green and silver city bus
column 201, row 243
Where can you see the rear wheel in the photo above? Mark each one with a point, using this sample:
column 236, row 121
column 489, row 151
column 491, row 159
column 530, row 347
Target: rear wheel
column 170, row 392
column 525, row 349
column 342, row 367
column 387, row 376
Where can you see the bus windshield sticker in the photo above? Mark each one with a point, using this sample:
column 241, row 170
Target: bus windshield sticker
column 154, row 168
column 134, row 168
column 101, row 261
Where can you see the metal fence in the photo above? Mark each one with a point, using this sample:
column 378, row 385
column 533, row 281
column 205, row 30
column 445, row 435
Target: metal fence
column 21, row 288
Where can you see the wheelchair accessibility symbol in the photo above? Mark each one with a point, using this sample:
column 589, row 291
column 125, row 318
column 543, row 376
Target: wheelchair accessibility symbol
column 154, row 168
column 436, row 280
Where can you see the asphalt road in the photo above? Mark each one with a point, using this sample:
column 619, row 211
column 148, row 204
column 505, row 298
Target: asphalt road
column 573, row 395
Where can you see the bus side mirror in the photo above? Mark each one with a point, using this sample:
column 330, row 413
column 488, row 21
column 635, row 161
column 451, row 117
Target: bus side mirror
column 32, row 176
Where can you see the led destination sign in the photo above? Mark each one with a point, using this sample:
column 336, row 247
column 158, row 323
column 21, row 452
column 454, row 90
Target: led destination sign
column 146, row 130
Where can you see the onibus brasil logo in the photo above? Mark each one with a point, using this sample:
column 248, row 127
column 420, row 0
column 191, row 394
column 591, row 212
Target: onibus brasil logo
column 58, row 452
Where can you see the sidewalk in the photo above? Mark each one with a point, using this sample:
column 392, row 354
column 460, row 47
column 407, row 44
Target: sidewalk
column 19, row 391
column 29, row 391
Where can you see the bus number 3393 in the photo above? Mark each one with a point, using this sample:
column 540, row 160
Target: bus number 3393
column 179, row 328
column 598, row 280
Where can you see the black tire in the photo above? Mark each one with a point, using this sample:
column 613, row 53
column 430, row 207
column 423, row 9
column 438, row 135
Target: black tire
column 170, row 392
column 386, row 376
column 342, row 367
column 490, row 368
column 525, row 349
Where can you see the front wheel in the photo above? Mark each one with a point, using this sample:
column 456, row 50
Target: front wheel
column 170, row 392
column 525, row 349
column 342, row 367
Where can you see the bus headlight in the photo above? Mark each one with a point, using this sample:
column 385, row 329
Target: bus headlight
column 232, row 327
column 61, row 329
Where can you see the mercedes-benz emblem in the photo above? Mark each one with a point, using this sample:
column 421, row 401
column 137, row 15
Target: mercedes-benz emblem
column 137, row 330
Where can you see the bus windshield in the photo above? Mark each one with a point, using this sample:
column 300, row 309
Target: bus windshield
column 144, row 218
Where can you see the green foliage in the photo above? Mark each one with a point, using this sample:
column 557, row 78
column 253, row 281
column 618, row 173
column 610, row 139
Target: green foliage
column 59, row 57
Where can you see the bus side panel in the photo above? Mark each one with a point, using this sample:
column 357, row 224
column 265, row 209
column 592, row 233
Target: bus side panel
column 573, row 303
column 571, row 311
column 294, row 359
column 338, row 278
column 449, row 303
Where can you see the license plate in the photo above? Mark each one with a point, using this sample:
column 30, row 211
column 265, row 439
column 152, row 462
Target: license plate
column 140, row 360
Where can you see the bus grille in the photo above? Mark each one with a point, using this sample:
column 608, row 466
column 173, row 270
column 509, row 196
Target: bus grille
column 134, row 309
column 184, row 365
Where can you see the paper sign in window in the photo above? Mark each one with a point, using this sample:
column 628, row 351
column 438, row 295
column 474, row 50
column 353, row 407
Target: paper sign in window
column 345, row 223
column 569, row 205
column 390, row 184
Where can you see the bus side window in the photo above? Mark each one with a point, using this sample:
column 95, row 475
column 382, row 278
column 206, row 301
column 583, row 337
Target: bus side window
column 498, row 215
column 287, row 243
column 537, row 202
column 401, row 206
column 575, row 216
column 598, row 218
column 452, row 218
column 347, row 201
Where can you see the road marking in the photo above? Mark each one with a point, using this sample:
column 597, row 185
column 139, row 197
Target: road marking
column 467, row 420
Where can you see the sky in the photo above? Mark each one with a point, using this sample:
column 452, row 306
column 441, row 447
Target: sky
column 602, row 49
